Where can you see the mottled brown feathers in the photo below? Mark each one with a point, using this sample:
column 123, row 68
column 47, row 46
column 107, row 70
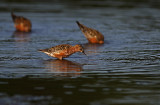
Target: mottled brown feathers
column 21, row 23
column 61, row 51
column 91, row 34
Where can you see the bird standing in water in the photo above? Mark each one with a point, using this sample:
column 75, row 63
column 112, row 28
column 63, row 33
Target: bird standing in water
column 62, row 51
column 92, row 35
column 21, row 23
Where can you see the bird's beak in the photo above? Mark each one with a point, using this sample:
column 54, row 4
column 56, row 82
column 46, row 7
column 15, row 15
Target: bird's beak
column 83, row 52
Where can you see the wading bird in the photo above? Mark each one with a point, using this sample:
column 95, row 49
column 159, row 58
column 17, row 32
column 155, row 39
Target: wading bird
column 21, row 23
column 92, row 35
column 62, row 51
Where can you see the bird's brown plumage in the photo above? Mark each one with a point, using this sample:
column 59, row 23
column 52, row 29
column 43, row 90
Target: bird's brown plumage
column 21, row 23
column 92, row 35
column 61, row 51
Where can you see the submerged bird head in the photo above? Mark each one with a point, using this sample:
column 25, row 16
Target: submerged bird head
column 79, row 48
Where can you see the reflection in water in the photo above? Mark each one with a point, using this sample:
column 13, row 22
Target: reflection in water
column 91, row 48
column 21, row 36
column 63, row 66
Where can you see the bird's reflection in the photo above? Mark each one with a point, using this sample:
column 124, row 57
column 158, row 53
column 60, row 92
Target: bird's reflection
column 65, row 67
column 91, row 48
column 21, row 36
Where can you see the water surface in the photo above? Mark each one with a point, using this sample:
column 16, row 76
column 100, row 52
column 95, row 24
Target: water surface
column 123, row 71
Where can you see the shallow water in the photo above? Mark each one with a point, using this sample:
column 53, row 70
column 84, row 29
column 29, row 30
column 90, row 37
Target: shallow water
column 123, row 71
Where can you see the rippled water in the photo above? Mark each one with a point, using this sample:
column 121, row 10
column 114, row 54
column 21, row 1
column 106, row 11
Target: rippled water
column 124, row 70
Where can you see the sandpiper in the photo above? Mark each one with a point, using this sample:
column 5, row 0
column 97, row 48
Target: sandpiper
column 21, row 23
column 62, row 51
column 92, row 35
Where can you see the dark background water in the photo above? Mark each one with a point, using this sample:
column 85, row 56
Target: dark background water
column 125, row 70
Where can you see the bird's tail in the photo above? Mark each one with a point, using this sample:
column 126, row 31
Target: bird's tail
column 81, row 26
column 13, row 16
column 40, row 50
column 43, row 50
column 78, row 23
